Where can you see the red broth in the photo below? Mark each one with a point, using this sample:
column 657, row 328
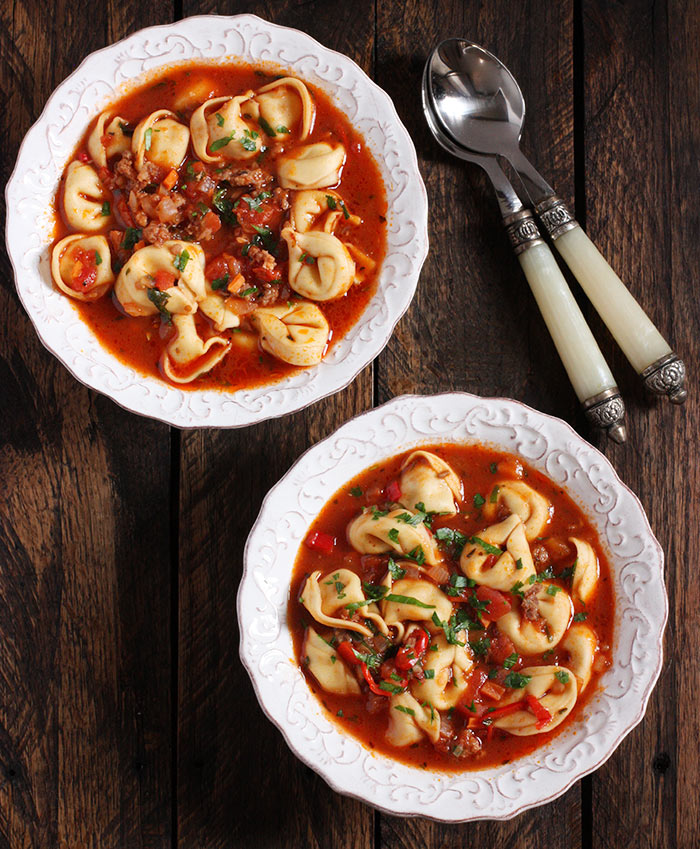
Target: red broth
column 140, row 341
column 479, row 469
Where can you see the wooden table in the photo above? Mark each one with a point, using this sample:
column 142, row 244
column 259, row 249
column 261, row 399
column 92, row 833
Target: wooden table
column 126, row 718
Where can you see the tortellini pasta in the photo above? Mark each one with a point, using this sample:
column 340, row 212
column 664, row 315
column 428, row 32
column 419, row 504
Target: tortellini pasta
column 295, row 333
column 313, row 166
column 373, row 533
column 555, row 608
column 220, row 132
column 161, row 139
column 580, row 644
column 63, row 264
column 427, row 479
column 320, row 266
column 135, row 286
column 514, row 564
column 586, row 571
column 450, row 666
column 86, row 202
column 432, row 601
column 107, row 142
column 534, row 509
column 325, row 595
column 326, row 667
column 550, row 692
column 409, row 721
column 186, row 348
column 283, row 104
column 319, row 211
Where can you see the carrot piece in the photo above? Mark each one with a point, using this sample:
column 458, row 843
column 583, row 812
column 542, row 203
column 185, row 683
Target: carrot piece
column 170, row 180
column 492, row 690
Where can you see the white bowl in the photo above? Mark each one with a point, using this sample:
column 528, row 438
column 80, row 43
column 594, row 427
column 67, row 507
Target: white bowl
column 552, row 447
column 107, row 74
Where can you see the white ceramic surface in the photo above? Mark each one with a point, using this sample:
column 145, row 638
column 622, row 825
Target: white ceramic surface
column 552, row 447
column 108, row 73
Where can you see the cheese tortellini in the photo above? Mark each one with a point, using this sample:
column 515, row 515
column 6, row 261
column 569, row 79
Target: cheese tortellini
column 313, row 166
column 534, row 509
column 320, row 266
column 586, row 571
column 409, row 721
column 284, row 104
column 554, row 696
column 187, row 348
column 85, row 200
column 450, row 666
column 320, row 211
column 220, row 132
column 135, row 286
column 580, row 644
column 432, row 601
column 554, row 610
column 427, row 479
column 67, row 253
column 514, row 564
column 374, row 533
column 326, row 595
column 105, row 142
column 326, row 667
column 295, row 333
column 161, row 139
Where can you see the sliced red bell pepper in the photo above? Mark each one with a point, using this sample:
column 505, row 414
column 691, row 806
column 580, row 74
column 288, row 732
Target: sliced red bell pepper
column 413, row 650
column 318, row 541
column 347, row 652
column 542, row 715
column 393, row 491
column 506, row 710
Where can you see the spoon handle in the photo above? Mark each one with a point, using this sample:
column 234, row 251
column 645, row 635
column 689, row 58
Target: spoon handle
column 588, row 371
column 662, row 371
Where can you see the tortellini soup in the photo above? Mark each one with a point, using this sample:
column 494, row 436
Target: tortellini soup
column 451, row 607
column 220, row 227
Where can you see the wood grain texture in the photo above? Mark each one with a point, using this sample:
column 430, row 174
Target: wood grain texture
column 238, row 783
column 642, row 131
column 84, row 594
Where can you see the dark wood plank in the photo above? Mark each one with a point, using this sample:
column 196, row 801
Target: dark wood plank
column 642, row 134
column 238, row 784
column 483, row 332
column 84, row 512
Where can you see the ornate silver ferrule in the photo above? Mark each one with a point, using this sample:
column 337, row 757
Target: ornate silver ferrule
column 555, row 216
column 607, row 411
column 522, row 231
column 666, row 376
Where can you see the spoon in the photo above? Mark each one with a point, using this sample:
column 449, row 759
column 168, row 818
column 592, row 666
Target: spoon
column 584, row 363
column 478, row 102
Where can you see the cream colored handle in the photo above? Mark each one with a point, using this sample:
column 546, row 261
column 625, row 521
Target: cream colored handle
column 632, row 328
column 584, row 363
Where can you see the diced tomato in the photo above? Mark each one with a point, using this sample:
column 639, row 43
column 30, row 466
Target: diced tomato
column 501, row 648
column 212, row 221
column 265, row 274
column 542, row 715
column 318, row 541
column 197, row 167
column 492, row 690
column 124, row 212
column 499, row 603
column 84, row 272
column 392, row 491
column 164, row 279
column 476, row 681
column 83, row 157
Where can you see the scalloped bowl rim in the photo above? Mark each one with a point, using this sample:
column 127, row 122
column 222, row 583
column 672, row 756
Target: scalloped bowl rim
column 218, row 408
column 335, row 773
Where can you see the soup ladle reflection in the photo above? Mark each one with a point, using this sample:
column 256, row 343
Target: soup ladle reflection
column 478, row 103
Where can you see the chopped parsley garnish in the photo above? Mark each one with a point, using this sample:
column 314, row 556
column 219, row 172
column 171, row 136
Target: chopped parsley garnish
column 220, row 282
column 389, row 687
column 224, row 207
column 544, row 575
column 494, row 468
column 480, row 647
column 346, row 214
column 479, row 500
column 378, row 514
column 493, row 498
column 222, row 142
column 519, row 563
column 429, row 673
column 98, row 258
column 408, row 599
column 356, row 492
column 412, row 520
column 488, row 548
column 220, row 119
column 181, row 260
column 159, row 300
column 547, row 654
column 450, row 629
column 562, row 675
column 452, row 537
column 340, row 713
column 553, row 589
column 516, row 681
column 265, row 238
column 331, row 202
column 132, row 235
column 374, row 591
column 148, row 138
column 569, row 571
column 403, row 709
column 395, row 570
column 580, row 617
column 255, row 203
column 106, row 209
column 417, row 554
column 493, row 673
column 516, row 589
column 282, row 129
column 309, row 260
column 252, row 290
column 266, row 127
column 510, row 661
column 393, row 534
column 333, row 658
column 248, row 140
